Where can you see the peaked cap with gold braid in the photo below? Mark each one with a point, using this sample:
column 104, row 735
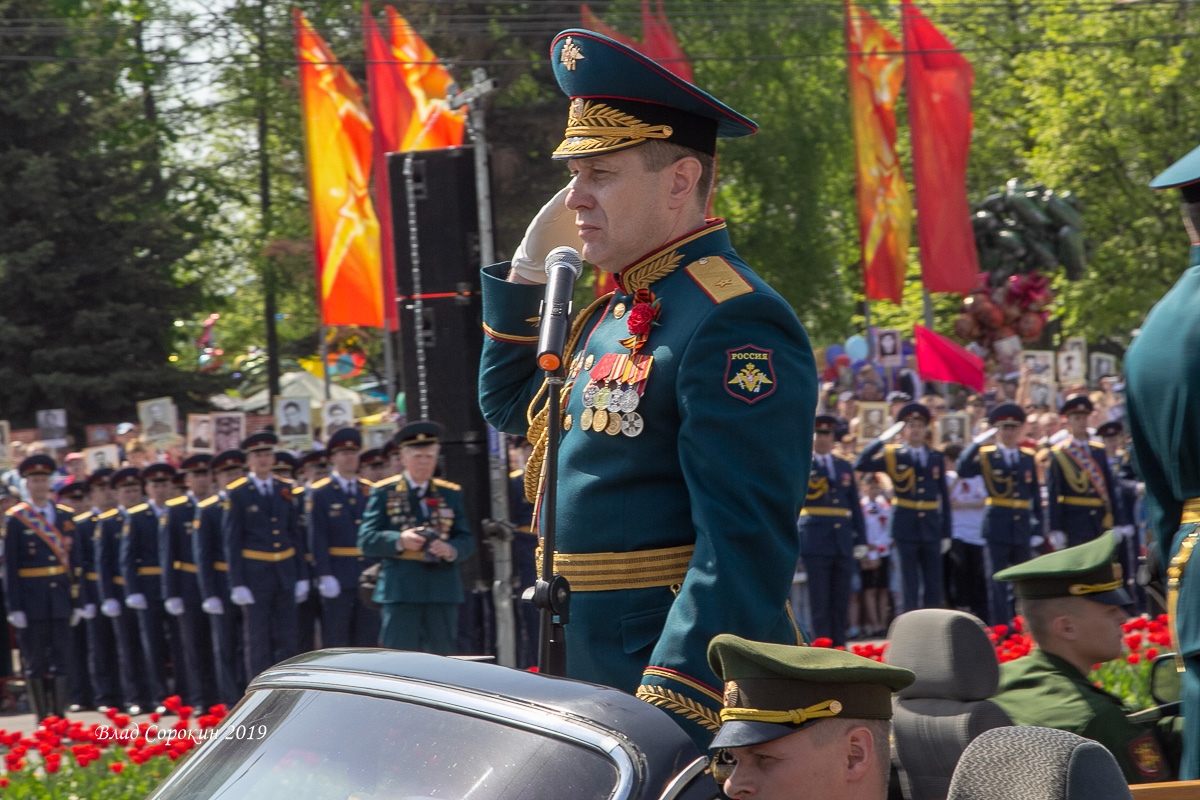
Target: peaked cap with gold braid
column 772, row 690
column 620, row 99
column 1085, row 570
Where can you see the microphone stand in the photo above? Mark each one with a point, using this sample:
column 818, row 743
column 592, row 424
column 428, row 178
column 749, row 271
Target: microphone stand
column 552, row 593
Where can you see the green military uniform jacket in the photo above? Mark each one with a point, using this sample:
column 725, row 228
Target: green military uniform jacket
column 1045, row 690
column 1162, row 395
column 713, row 480
column 405, row 577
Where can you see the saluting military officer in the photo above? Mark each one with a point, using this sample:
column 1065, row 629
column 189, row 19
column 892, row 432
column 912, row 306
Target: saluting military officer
column 39, row 588
column 335, row 511
column 803, row 721
column 212, row 573
column 261, row 533
column 1161, row 396
column 1078, row 483
column 687, row 430
column 921, row 521
column 103, row 664
column 1014, row 501
column 833, row 534
column 418, row 525
column 181, row 586
column 1072, row 601
column 142, row 570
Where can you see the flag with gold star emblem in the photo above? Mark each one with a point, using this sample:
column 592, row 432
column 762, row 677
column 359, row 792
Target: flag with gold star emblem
column 876, row 72
column 338, row 150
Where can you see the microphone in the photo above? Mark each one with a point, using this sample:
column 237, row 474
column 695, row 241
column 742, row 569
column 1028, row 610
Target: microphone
column 563, row 266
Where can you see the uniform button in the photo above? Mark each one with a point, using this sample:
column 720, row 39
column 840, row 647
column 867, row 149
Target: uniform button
column 275, row 533
column 704, row 260
column 53, row 585
column 837, row 525
column 277, row 544
column 1017, row 518
column 920, row 513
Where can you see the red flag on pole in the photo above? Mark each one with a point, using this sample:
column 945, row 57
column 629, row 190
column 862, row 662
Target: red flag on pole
column 940, row 359
column 939, row 114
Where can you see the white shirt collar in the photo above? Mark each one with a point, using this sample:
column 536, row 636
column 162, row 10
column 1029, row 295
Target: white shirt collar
column 413, row 485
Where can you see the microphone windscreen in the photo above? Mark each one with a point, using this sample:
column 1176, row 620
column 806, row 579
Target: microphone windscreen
column 565, row 255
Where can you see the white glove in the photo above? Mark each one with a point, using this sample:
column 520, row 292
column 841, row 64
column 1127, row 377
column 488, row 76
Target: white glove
column 89, row 611
column 860, row 551
column 213, row 605
column 301, row 591
column 1124, row 531
column 1058, row 540
column 174, row 606
column 945, row 546
column 554, row 226
column 241, row 596
column 110, row 608
column 1036, row 541
column 328, row 586
column 887, row 435
column 76, row 615
column 137, row 602
column 17, row 619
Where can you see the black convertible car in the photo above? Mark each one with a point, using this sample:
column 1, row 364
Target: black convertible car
column 387, row 725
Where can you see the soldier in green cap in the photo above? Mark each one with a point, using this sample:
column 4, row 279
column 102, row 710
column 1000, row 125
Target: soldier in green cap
column 1073, row 602
column 1162, row 394
column 690, row 391
column 803, row 721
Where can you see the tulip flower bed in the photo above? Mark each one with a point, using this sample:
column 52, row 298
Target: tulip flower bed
column 68, row 760
column 1127, row 677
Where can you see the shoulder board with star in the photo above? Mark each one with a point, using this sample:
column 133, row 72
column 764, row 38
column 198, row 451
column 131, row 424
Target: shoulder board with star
column 718, row 279
column 65, row 510
column 84, row 517
column 235, row 484
column 1029, row 451
column 320, row 483
column 139, row 508
column 178, row 501
column 441, row 484
column 112, row 512
column 208, row 501
column 388, row 481
column 298, row 490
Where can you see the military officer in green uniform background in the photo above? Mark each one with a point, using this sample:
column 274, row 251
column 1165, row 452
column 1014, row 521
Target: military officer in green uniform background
column 1162, row 397
column 418, row 525
column 803, row 721
column 688, row 421
column 1072, row 601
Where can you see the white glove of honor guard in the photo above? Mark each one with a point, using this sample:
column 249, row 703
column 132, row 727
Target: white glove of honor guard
column 110, row 608
column 241, row 596
column 554, row 226
column 17, row 619
column 213, row 605
column 328, row 586
column 860, row 551
column 137, row 602
column 301, row 591
column 89, row 611
column 76, row 615
column 945, row 546
column 174, row 606
column 1058, row 540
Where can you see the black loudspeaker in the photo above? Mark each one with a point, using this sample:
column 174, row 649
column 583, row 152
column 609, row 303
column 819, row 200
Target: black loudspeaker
column 435, row 227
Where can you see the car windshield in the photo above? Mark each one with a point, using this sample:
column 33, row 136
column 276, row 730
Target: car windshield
column 287, row 744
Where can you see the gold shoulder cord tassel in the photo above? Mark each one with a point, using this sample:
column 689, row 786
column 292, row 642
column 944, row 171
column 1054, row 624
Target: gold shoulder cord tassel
column 538, row 434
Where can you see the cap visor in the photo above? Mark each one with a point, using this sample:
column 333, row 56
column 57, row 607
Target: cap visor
column 1116, row 597
column 744, row 733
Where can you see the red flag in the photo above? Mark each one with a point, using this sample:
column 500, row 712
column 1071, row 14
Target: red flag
column 594, row 23
column 661, row 44
column 939, row 114
column 392, row 109
column 940, row 359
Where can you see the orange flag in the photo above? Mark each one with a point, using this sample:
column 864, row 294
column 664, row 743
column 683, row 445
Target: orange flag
column 338, row 150
column 876, row 74
column 432, row 123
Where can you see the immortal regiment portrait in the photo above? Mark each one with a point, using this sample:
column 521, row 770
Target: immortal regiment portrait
column 105, row 456
column 379, row 434
column 158, row 418
column 888, row 352
column 335, row 415
column 872, row 420
column 229, row 428
column 294, row 423
column 1040, row 363
column 1101, row 365
column 1072, row 367
column 5, row 445
column 951, row 429
column 52, row 427
column 200, row 433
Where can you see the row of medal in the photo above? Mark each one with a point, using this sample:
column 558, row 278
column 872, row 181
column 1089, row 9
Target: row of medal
column 611, row 409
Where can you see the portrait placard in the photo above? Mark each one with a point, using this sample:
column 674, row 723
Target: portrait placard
column 159, row 419
column 293, row 423
column 200, row 433
column 229, row 428
column 872, row 421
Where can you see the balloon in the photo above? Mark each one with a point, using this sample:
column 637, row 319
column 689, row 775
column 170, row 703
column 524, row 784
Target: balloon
column 842, row 361
column 856, row 348
column 830, row 374
column 832, row 352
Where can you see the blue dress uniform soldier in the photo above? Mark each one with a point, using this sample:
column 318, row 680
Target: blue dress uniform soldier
column 39, row 587
column 1073, row 604
column 267, row 570
column 103, row 665
column 418, row 525
column 374, row 465
column 335, row 507
column 1078, row 482
column 212, row 573
column 142, row 570
column 920, row 525
column 1162, row 395
column 688, row 426
column 181, row 585
column 73, row 496
column 803, row 721
column 308, row 610
column 1014, row 502
column 833, row 534
column 315, row 466
column 127, row 485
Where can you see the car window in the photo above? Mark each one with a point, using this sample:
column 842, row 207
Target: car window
column 320, row 745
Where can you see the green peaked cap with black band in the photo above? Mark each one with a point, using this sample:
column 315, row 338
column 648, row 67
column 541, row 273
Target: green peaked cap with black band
column 621, row 99
column 1085, row 570
column 772, row 690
